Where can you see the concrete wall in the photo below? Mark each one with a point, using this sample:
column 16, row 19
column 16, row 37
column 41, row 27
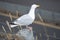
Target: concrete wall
column 48, row 16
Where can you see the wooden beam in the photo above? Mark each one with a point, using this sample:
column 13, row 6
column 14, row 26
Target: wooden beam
column 47, row 25
column 37, row 22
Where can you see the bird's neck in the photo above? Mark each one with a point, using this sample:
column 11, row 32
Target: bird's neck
column 32, row 12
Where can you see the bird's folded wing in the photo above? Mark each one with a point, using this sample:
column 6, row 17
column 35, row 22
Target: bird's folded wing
column 25, row 20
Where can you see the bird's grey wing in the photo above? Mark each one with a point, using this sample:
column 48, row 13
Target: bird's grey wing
column 24, row 20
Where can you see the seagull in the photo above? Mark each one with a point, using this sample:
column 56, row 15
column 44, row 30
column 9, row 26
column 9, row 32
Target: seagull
column 26, row 19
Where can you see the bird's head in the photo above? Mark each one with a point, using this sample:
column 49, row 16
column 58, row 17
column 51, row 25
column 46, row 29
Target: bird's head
column 35, row 5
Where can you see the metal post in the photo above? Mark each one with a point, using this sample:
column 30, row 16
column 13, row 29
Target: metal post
column 40, row 17
column 10, row 16
column 9, row 26
column 36, row 37
column 3, row 29
column 47, row 37
column 16, row 13
column 40, row 36
column 20, row 27
column 54, row 35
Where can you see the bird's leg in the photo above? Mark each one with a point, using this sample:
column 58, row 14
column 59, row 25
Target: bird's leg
column 30, row 28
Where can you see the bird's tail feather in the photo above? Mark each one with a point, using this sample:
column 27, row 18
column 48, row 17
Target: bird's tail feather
column 13, row 26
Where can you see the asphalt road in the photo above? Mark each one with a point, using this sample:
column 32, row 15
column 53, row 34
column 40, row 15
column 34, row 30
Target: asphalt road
column 37, row 29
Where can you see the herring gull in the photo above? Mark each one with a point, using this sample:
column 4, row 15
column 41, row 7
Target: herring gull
column 26, row 19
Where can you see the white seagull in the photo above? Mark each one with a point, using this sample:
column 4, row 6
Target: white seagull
column 26, row 19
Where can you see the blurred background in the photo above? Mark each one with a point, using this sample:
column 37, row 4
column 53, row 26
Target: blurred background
column 49, row 11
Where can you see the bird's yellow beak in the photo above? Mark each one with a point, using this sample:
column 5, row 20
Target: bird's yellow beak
column 38, row 5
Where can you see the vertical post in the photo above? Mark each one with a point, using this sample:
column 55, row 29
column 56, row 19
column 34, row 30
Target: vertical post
column 46, row 33
column 8, row 26
column 10, row 16
column 40, row 36
column 16, row 13
column 45, row 30
column 47, row 37
column 40, row 17
column 36, row 37
column 54, row 35
column 3, row 29
column 20, row 27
